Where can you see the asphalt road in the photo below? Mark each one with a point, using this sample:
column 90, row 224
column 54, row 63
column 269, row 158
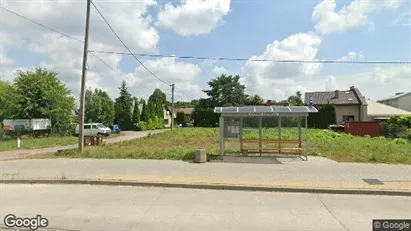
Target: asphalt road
column 85, row 207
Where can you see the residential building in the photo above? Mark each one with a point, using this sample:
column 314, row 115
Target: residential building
column 379, row 111
column 188, row 113
column 401, row 100
column 167, row 116
column 350, row 105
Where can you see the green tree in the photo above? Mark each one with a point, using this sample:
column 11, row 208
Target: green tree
column 296, row 100
column 144, row 112
column 40, row 94
column 136, row 112
column 99, row 107
column 226, row 90
column 8, row 109
column 255, row 100
column 326, row 116
column 180, row 117
column 88, row 112
column 123, row 108
column 107, row 108
column 157, row 100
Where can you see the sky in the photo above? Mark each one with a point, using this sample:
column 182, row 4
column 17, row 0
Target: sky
column 358, row 30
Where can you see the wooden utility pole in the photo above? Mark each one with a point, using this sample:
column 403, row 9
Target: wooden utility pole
column 83, row 81
column 172, row 106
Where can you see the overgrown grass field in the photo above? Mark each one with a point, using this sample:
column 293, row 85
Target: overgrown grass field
column 7, row 144
column 180, row 144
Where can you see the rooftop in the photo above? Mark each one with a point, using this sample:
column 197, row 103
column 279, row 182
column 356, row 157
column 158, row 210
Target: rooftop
column 351, row 96
column 187, row 111
column 396, row 96
column 378, row 109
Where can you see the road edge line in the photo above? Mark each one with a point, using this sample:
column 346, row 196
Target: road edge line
column 215, row 187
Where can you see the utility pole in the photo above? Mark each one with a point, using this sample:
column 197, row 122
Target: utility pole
column 83, row 81
column 172, row 106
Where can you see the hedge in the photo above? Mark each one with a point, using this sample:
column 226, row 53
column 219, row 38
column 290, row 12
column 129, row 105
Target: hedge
column 325, row 117
column 205, row 117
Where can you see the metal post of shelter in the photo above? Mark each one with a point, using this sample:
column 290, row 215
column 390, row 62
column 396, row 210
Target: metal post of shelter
column 241, row 134
column 306, row 139
column 299, row 132
column 221, row 142
column 260, row 133
column 279, row 133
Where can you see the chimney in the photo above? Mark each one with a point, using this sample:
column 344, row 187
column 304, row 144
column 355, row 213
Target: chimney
column 352, row 88
column 337, row 94
column 399, row 93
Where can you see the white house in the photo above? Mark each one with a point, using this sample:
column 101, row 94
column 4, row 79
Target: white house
column 167, row 116
column 401, row 100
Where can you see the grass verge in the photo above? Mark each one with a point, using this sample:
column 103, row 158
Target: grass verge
column 180, row 144
column 46, row 142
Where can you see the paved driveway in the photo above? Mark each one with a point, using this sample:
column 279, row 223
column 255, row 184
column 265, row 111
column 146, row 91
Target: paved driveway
column 127, row 135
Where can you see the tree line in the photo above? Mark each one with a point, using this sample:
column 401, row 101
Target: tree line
column 128, row 111
column 227, row 91
column 40, row 94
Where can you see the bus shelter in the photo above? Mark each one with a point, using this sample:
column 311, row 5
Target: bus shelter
column 231, row 126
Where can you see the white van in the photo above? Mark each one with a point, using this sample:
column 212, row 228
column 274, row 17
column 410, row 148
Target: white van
column 94, row 129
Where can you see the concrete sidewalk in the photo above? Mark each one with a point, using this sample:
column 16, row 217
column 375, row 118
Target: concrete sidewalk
column 126, row 135
column 286, row 174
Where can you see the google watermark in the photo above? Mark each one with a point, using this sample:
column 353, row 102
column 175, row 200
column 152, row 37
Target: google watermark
column 34, row 223
column 391, row 225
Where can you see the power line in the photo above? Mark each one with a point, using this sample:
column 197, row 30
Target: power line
column 42, row 25
column 254, row 60
column 76, row 39
column 115, row 69
column 131, row 53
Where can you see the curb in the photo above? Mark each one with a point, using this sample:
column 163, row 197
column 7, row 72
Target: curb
column 215, row 187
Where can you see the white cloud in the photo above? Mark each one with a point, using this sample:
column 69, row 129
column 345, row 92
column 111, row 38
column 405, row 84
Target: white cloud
column 218, row 70
column 386, row 75
column 403, row 19
column 7, row 41
column 331, row 83
column 263, row 77
column 356, row 14
column 374, row 83
column 193, row 17
column 170, row 71
column 4, row 60
column 352, row 56
column 129, row 19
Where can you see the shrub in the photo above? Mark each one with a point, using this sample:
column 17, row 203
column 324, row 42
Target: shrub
column 400, row 120
column 324, row 118
column 396, row 127
column 180, row 117
column 142, row 125
column 205, row 117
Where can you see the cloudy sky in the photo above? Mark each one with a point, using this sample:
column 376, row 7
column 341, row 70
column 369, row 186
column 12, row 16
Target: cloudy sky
column 359, row 30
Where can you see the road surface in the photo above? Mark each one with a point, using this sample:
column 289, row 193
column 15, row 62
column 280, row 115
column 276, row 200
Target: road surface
column 85, row 207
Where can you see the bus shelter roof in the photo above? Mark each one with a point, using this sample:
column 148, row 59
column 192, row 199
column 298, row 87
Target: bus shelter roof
column 252, row 111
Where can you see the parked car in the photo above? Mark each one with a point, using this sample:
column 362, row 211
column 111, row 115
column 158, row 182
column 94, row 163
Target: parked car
column 94, row 129
column 187, row 124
